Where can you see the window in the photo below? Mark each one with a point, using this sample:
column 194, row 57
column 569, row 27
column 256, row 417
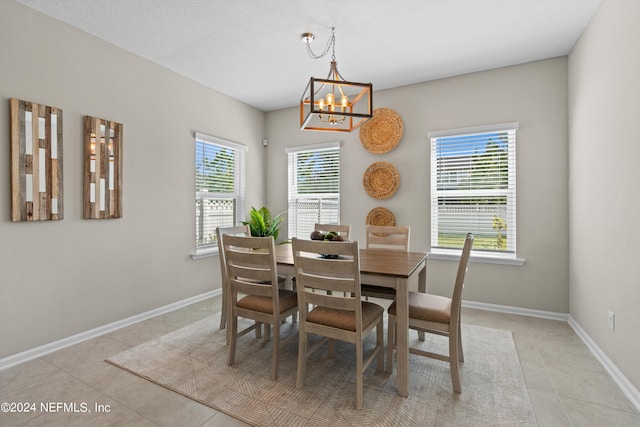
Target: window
column 220, row 192
column 314, row 187
column 473, row 189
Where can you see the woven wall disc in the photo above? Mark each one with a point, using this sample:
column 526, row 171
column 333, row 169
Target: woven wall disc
column 381, row 180
column 382, row 132
column 380, row 216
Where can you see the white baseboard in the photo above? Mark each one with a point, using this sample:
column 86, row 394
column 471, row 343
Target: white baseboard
column 516, row 310
column 632, row 393
column 39, row 351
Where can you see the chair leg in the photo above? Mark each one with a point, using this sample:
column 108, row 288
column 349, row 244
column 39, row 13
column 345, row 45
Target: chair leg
column 453, row 362
column 391, row 341
column 380, row 346
column 303, row 343
column 228, row 327
column 232, row 335
column 460, row 352
column 223, row 314
column 359, row 375
column 275, row 352
column 267, row 332
column 258, row 329
column 332, row 348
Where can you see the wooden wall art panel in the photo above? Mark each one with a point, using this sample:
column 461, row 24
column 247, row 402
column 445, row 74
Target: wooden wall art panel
column 36, row 162
column 102, row 168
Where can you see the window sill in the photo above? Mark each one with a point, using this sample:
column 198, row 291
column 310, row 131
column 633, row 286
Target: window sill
column 483, row 258
column 204, row 253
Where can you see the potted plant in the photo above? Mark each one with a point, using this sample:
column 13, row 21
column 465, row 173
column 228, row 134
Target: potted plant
column 263, row 224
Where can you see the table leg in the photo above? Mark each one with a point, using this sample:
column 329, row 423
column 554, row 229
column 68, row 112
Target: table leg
column 422, row 279
column 422, row 287
column 289, row 285
column 402, row 336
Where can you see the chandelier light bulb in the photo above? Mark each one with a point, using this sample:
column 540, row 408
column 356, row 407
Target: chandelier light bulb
column 330, row 99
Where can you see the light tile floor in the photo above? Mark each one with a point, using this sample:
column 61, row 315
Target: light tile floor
column 566, row 384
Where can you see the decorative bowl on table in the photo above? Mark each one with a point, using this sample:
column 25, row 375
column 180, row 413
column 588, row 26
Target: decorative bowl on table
column 331, row 236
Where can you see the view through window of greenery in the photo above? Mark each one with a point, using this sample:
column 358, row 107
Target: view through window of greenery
column 218, row 178
column 473, row 190
column 314, row 189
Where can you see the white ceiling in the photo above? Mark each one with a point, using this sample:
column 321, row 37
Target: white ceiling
column 251, row 49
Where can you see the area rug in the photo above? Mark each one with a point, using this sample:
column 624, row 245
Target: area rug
column 192, row 361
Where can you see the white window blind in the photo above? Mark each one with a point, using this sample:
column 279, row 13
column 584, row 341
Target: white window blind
column 314, row 188
column 220, row 187
column 473, row 188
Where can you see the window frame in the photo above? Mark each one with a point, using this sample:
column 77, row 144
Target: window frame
column 292, row 192
column 238, row 196
column 507, row 256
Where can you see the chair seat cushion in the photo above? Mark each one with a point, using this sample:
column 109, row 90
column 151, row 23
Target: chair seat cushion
column 344, row 319
column 427, row 307
column 288, row 300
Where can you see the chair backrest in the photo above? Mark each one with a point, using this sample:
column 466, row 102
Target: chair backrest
column 394, row 237
column 339, row 275
column 242, row 230
column 343, row 230
column 456, row 299
column 251, row 267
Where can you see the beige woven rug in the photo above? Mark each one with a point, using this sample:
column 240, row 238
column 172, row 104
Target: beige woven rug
column 192, row 361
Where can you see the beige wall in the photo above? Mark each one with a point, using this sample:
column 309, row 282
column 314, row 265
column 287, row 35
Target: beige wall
column 533, row 94
column 604, row 70
column 64, row 277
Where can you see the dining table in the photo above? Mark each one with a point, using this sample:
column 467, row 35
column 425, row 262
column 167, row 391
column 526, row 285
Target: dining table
column 390, row 269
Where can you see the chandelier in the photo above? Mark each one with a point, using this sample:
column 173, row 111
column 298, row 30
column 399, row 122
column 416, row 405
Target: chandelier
column 333, row 104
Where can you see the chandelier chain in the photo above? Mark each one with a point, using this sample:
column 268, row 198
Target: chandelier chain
column 331, row 44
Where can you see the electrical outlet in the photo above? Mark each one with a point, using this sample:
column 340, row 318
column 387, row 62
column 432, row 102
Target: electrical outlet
column 612, row 320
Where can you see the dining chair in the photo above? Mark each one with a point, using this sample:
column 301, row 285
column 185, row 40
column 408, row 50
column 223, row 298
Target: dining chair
column 393, row 237
column 437, row 315
column 251, row 272
column 242, row 230
column 343, row 230
column 337, row 313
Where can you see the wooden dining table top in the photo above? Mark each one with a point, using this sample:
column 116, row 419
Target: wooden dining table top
column 385, row 262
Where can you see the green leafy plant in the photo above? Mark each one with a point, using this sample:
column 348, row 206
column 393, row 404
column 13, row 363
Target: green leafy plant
column 263, row 224
column 499, row 224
